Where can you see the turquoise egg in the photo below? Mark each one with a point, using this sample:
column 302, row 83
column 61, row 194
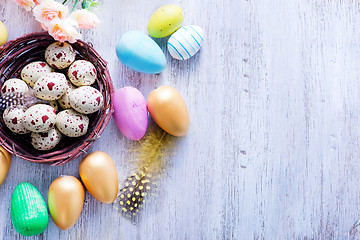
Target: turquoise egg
column 140, row 53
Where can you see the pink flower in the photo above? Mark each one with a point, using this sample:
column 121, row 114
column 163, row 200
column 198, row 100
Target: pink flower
column 27, row 4
column 62, row 30
column 48, row 11
column 84, row 19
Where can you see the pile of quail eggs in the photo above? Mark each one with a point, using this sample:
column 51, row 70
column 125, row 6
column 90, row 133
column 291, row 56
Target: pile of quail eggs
column 74, row 94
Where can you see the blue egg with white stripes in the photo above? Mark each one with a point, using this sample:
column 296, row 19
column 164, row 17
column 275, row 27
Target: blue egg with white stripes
column 185, row 42
column 139, row 52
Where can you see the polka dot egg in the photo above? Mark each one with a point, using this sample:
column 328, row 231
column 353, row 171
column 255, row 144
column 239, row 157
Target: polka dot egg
column 86, row 99
column 39, row 118
column 60, row 55
column 82, row 73
column 13, row 119
column 14, row 85
column 50, row 86
column 44, row 141
column 33, row 71
column 72, row 123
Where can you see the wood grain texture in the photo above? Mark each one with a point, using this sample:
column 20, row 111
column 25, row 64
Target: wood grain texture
column 273, row 150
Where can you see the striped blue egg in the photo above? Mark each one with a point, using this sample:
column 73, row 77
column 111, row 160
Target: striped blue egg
column 185, row 42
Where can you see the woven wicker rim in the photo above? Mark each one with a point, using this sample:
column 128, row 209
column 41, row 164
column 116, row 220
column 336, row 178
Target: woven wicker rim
column 14, row 55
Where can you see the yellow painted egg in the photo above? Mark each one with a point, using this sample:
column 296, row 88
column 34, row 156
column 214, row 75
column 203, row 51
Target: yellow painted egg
column 98, row 173
column 4, row 35
column 5, row 162
column 168, row 109
column 165, row 20
column 66, row 200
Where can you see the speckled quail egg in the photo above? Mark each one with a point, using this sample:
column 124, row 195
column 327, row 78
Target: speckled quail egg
column 50, row 86
column 33, row 71
column 14, row 85
column 64, row 100
column 40, row 118
column 55, row 105
column 86, row 99
column 72, row 123
column 82, row 73
column 60, row 55
column 45, row 141
column 13, row 119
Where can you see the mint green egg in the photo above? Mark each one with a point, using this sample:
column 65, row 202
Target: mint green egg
column 29, row 213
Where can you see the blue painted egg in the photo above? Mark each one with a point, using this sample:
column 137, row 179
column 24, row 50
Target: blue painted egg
column 140, row 53
column 185, row 42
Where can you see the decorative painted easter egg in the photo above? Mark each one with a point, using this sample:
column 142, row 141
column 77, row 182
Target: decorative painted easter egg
column 185, row 42
column 66, row 200
column 140, row 53
column 60, row 55
column 72, row 123
column 29, row 213
column 130, row 112
column 14, row 85
column 86, row 99
column 168, row 109
column 4, row 35
column 14, row 120
column 165, row 20
column 50, row 86
column 82, row 73
column 98, row 173
column 39, row 118
column 64, row 100
column 5, row 162
column 45, row 141
column 33, row 71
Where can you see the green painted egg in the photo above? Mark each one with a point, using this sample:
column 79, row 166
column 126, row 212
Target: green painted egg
column 165, row 21
column 29, row 213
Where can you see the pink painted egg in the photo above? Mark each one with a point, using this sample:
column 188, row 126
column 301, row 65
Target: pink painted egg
column 130, row 112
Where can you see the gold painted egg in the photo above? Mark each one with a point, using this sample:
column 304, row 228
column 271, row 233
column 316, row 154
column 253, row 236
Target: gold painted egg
column 4, row 35
column 66, row 200
column 5, row 162
column 98, row 173
column 168, row 109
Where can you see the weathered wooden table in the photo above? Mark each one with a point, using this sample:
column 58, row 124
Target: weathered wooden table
column 273, row 151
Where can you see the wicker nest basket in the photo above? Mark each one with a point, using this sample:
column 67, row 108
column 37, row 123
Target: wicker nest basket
column 14, row 55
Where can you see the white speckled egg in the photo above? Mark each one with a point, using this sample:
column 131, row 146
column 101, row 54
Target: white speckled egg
column 86, row 99
column 50, row 86
column 185, row 42
column 33, row 71
column 44, row 141
column 13, row 119
column 64, row 100
column 82, row 73
column 72, row 123
column 60, row 55
column 39, row 118
column 14, row 85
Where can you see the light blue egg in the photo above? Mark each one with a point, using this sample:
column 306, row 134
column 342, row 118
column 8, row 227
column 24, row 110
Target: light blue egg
column 140, row 53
